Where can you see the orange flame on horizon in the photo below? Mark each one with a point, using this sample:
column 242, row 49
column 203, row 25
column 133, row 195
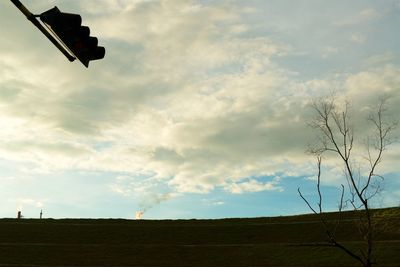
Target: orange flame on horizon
column 139, row 215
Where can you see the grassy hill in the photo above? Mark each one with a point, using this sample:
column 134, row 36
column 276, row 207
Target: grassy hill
column 277, row 241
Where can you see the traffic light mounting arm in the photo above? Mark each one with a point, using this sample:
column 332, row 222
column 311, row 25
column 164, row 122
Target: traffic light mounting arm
column 32, row 18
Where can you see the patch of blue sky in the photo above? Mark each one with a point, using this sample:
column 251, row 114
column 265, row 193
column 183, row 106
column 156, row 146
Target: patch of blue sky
column 325, row 38
column 62, row 194
column 101, row 146
column 389, row 195
column 222, row 204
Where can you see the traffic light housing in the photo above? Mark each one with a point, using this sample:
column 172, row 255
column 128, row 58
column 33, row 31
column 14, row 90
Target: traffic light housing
column 68, row 28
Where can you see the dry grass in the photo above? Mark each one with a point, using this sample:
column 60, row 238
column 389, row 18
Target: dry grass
column 279, row 241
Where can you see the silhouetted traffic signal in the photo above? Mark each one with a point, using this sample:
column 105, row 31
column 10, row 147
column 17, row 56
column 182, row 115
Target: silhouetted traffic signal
column 65, row 31
column 75, row 36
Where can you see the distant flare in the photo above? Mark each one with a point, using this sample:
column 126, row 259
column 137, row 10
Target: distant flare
column 138, row 215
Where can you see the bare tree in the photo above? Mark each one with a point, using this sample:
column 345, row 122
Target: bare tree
column 336, row 135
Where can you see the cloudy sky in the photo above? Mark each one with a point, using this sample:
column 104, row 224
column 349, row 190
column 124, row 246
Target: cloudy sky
column 199, row 109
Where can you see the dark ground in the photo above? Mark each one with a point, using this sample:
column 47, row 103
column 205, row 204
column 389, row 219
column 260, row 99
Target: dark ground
column 279, row 241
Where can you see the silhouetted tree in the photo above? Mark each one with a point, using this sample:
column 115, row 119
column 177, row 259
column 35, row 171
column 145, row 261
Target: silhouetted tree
column 336, row 135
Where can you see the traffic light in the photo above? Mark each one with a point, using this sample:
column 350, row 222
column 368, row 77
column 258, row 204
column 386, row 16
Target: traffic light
column 67, row 27
column 65, row 31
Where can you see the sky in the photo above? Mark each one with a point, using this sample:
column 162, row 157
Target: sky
column 200, row 109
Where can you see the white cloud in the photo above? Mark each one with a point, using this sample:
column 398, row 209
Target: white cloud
column 375, row 83
column 364, row 16
column 251, row 185
column 379, row 59
column 26, row 202
column 358, row 38
column 369, row 13
column 329, row 51
column 188, row 103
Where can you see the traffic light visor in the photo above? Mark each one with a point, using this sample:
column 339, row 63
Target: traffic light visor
column 60, row 20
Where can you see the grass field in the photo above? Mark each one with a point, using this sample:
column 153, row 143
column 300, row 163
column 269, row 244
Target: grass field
column 277, row 241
